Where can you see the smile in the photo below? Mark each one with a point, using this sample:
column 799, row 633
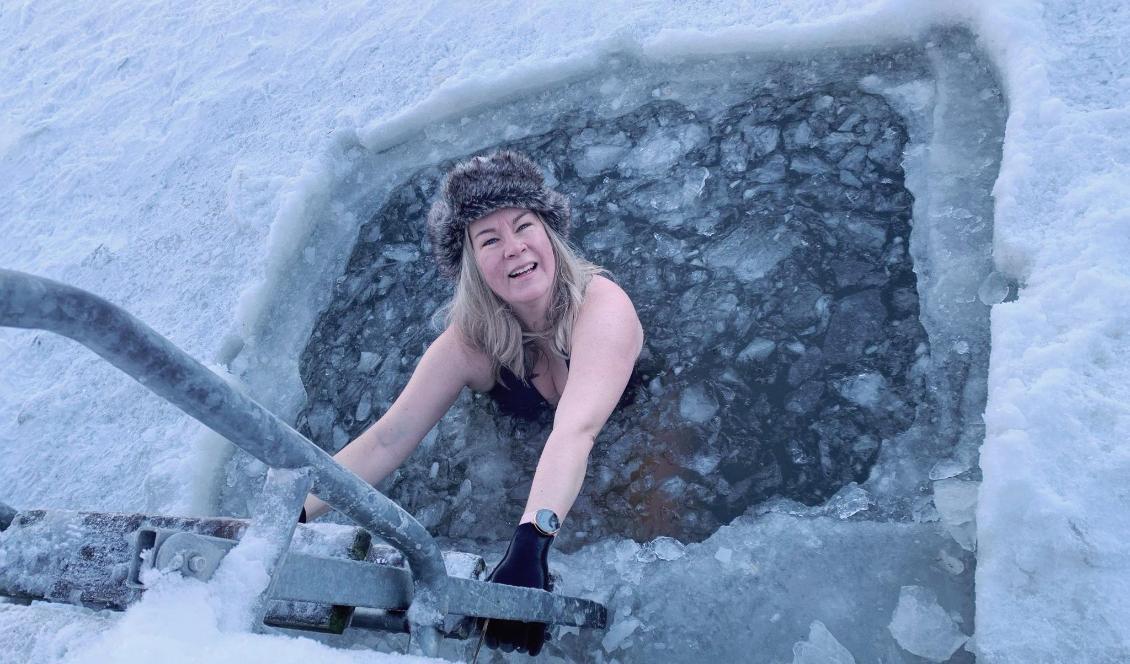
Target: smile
column 523, row 271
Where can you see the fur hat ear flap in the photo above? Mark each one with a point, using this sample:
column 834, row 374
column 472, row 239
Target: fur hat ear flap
column 475, row 188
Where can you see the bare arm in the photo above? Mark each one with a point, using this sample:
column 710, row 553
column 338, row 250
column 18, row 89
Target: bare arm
column 607, row 339
column 444, row 370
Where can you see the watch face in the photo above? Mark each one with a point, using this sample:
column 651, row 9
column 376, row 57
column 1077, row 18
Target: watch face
column 547, row 522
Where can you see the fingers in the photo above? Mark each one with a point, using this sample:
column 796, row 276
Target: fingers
column 535, row 637
column 510, row 636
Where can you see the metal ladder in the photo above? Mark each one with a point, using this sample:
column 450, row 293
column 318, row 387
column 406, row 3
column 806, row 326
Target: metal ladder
column 297, row 467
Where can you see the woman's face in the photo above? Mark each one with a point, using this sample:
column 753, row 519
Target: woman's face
column 513, row 253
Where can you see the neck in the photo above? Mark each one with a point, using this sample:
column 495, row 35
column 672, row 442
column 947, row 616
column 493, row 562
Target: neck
column 533, row 314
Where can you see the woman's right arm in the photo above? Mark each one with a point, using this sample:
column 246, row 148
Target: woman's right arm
column 448, row 365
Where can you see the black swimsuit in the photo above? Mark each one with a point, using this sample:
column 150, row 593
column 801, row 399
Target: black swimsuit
column 519, row 398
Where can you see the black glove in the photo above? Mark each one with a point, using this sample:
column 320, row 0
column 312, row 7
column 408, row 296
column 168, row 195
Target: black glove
column 525, row 564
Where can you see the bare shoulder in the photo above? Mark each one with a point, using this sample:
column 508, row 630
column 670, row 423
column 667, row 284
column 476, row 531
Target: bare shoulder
column 609, row 309
column 603, row 291
column 471, row 362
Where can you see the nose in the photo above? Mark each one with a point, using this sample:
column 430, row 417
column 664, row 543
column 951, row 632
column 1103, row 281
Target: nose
column 514, row 245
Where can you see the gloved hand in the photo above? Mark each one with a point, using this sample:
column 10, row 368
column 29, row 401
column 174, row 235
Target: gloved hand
column 525, row 564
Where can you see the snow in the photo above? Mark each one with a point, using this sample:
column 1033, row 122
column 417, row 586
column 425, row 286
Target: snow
column 176, row 161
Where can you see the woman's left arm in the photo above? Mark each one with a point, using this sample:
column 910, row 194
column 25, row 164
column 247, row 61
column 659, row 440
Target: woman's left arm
column 607, row 338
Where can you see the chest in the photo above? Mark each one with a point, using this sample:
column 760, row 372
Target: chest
column 550, row 375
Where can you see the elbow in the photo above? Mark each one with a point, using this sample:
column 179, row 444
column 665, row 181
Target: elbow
column 573, row 440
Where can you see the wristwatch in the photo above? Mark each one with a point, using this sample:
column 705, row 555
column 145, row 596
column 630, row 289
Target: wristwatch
column 547, row 522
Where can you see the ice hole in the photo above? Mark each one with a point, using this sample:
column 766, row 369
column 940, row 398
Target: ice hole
column 808, row 243
column 764, row 243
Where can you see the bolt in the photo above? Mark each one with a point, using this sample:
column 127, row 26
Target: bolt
column 196, row 563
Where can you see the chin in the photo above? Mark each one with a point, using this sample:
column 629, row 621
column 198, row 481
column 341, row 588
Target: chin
column 526, row 294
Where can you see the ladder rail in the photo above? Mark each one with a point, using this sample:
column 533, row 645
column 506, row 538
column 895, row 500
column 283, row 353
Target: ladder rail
column 31, row 302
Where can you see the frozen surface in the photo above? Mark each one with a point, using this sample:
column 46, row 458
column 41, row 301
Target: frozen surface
column 176, row 161
column 758, row 584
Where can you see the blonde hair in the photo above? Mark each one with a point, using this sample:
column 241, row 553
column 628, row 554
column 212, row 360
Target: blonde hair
column 488, row 323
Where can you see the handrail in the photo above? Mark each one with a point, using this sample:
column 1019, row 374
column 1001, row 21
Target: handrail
column 27, row 301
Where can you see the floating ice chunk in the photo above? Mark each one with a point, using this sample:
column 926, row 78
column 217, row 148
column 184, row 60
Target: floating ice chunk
column 849, row 501
column 724, row 555
column 864, row 390
column 922, row 627
column 401, row 252
column 674, row 487
column 694, row 183
column 667, row 246
column 762, row 138
column 809, row 165
column 704, row 464
column 994, row 289
column 320, row 420
column 853, row 160
column 364, row 407
column 726, row 304
column 734, row 154
column 598, row 158
column 661, row 548
column 773, row 170
column 368, row 362
column 660, row 149
column 340, row 437
column 821, row 648
column 757, row 350
column 696, row 405
column 668, row 548
column 850, row 180
column 749, row 253
column 614, row 234
column 956, row 501
column 618, row 633
column 598, row 152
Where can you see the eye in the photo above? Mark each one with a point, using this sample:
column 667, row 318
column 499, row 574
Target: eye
column 489, row 241
column 525, row 224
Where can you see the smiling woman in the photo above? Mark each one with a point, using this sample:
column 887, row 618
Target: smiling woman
column 529, row 322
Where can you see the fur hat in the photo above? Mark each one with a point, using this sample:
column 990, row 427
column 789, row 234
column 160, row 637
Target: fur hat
column 475, row 188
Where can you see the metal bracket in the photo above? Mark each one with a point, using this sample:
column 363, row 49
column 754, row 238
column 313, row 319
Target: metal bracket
column 195, row 556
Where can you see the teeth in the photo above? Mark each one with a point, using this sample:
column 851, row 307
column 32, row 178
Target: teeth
column 518, row 273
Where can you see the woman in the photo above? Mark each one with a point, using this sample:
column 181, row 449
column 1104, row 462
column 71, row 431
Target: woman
column 531, row 324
